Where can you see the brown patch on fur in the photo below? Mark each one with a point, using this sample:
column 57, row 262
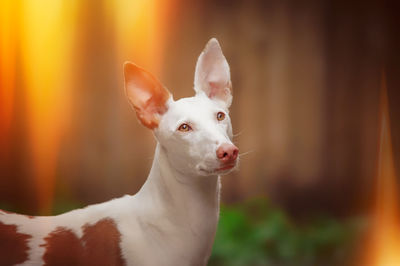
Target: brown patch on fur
column 13, row 245
column 99, row 245
column 63, row 248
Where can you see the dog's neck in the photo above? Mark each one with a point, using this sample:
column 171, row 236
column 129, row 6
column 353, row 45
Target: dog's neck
column 191, row 203
column 170, row 188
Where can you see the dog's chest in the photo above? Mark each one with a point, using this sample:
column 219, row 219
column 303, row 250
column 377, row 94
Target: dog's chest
column 163, row 243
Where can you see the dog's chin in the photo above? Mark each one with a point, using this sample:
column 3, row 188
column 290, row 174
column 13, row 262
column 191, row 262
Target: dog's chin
column 220, row 170
column 227, row 169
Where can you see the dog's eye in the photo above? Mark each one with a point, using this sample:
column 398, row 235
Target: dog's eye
column 220, row 116
column 184, row 127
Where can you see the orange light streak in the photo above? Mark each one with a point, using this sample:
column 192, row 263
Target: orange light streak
column 8, row 52
column 46, row 51
column 42, row 34
column 141, row 27
column 384, row 242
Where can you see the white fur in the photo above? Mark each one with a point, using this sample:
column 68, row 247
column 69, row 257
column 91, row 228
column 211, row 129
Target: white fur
column 172, row 220
column 212, row 68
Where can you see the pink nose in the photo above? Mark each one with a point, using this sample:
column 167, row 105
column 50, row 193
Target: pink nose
column 227, row 153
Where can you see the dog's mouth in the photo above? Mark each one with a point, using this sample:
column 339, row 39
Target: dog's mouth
column 223, row 169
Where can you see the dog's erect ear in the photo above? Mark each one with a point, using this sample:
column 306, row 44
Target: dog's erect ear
column 212, row 75
column 146, row 94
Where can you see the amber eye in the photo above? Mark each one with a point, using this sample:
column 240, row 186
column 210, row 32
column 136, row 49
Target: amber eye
column 184, row 128
column 220, row 116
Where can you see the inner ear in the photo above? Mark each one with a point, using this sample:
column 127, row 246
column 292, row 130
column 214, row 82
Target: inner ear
column 146, row 94
column 212, row 75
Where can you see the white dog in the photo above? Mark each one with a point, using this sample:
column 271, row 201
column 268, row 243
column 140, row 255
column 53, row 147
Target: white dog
column 172, row 220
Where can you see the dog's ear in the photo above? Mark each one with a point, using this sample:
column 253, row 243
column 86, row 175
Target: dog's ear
column 212, row 75
column 146, row 94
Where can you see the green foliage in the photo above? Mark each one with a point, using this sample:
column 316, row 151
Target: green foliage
column 255, row 233
column 64, row 205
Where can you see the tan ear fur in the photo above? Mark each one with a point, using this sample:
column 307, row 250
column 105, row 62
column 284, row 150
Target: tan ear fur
column 146, row 94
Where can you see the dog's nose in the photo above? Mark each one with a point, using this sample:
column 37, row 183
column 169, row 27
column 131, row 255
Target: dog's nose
column 227, row 153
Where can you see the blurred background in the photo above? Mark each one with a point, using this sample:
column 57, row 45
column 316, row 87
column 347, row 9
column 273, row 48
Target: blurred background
column 306, row 77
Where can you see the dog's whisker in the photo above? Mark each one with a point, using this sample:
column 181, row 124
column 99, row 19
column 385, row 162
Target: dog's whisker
column 238, row 134
column 245, row 153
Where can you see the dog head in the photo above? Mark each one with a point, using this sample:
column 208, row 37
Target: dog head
column 195, row 132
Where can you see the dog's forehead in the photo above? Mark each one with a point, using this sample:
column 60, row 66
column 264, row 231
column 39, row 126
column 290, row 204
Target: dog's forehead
column 194, row 106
